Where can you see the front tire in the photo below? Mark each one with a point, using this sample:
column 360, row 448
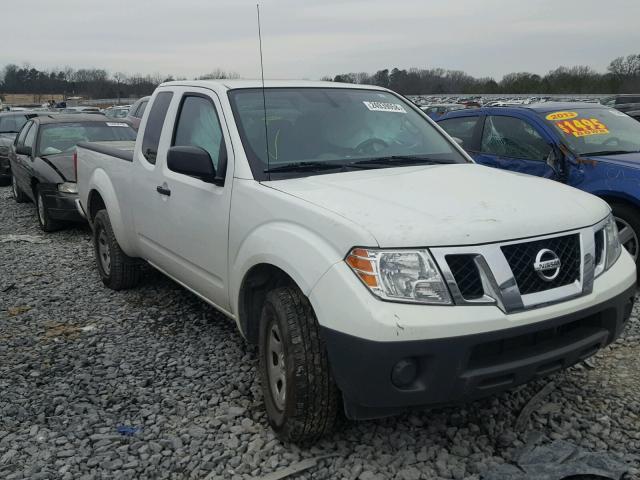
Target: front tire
column 117, row 270
column 18, row 194
column 45, row 221
column 300, row 395
column 628, row 223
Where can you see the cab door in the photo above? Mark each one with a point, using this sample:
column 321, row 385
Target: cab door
column 514, row 143
column 194, row 214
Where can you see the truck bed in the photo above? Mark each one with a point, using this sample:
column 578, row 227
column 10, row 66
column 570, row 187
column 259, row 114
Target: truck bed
column 122, row 150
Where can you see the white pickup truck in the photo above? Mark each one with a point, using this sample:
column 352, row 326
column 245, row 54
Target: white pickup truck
column 376, row 266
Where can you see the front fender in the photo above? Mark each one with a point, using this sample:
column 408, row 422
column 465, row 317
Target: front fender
column 101, row 183
column 298, row 251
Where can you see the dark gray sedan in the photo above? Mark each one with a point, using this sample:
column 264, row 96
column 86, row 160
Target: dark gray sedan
column 43, row 167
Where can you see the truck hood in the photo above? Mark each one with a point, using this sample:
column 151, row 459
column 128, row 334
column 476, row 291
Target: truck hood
column 443, row 205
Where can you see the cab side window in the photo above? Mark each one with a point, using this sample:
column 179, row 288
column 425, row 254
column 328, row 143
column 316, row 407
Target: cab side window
column 153, row 130
column 198, row 126
column 513, row 137
column 462, row 128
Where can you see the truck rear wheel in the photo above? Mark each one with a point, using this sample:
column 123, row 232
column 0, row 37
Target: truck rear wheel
column 117, row 270
column 628, row 222
column 300, row 395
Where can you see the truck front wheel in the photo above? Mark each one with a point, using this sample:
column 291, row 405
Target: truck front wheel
column 300, row 395
column 117, row 270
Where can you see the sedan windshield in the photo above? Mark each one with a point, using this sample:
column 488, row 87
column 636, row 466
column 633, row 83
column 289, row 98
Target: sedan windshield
column 310, row 130
column 63, row 137
column 596, row 131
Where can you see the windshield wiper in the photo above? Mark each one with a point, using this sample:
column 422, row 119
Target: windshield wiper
column 608, row 152
column 402, row 159
column 304, row 167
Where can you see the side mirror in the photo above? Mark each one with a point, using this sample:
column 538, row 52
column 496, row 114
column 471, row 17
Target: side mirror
column 23, row 150
column 192, row 161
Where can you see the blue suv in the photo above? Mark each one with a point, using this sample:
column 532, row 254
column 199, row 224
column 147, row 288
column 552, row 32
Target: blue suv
column 589, row 146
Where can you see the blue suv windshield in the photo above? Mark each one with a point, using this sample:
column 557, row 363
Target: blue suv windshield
column 596, row 131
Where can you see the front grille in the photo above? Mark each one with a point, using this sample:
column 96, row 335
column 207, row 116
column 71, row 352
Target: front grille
column 599, row 239
column 521, row 257
column 466, row 274
column 538, row 342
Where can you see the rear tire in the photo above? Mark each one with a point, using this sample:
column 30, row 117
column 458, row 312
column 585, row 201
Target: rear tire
column 18, row 194
column 117, row 270
column 300, row 395
column 47, row 224
column 628, row 222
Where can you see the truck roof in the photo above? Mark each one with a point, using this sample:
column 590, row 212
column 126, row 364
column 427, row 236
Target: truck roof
column 257, row 83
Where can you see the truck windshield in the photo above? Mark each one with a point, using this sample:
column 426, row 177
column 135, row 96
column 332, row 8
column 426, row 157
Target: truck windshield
column 596, row 131
column 320, row 128
column 63, row 137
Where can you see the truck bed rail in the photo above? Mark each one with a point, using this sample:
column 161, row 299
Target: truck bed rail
column 126, row 155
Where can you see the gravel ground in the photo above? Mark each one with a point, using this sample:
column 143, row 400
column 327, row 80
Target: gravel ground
column 153, row 383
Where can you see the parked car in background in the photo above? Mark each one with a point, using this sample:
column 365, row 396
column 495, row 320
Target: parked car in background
column 375, row 266
column 436, row 111
column 116, row 112
column 588, row 146
column 85, row 110
column 42, row 162
column 136, row 111
column 635, row 114
column 10, row 125
column 615, row 100
column 627, row 107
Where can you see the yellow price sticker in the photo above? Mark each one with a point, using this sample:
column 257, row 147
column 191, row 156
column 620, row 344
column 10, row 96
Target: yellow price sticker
column 583, row 127
column 561, row 116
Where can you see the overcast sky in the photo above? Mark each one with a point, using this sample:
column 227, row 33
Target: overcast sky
column 313, row 38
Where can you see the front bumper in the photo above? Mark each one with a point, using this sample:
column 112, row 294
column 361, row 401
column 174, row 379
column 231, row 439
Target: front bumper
column 456, row 354
column 62, row 206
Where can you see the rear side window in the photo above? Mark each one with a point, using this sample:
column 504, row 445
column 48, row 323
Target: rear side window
column 198, row 126
column 462, row 128
column 141, row 108
column 23, row 133
column 12, row 123
column 30, row 139
column 155, row 122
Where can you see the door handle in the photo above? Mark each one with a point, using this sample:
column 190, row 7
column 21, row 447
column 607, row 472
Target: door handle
column 163, row 190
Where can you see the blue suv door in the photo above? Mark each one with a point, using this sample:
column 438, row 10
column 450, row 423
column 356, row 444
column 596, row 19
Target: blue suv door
column 511, row 142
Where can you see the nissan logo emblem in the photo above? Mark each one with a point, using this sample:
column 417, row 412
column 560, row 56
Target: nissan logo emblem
column 547, row 265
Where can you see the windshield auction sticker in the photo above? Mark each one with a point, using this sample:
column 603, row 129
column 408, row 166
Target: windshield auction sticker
column 583, row 127
column 561, row 116
column 384, row 107
column 116, row 124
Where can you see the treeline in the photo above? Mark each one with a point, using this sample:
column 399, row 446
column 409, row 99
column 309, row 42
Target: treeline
column 88, row 83
column 622, row 76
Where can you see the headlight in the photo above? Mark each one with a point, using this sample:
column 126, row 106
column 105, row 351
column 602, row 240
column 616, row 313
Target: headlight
column 400, row 275
column 612, row 242
column 68, row 187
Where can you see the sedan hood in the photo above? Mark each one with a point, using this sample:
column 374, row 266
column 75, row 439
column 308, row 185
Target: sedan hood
column 62, row 164
column 448, row 204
